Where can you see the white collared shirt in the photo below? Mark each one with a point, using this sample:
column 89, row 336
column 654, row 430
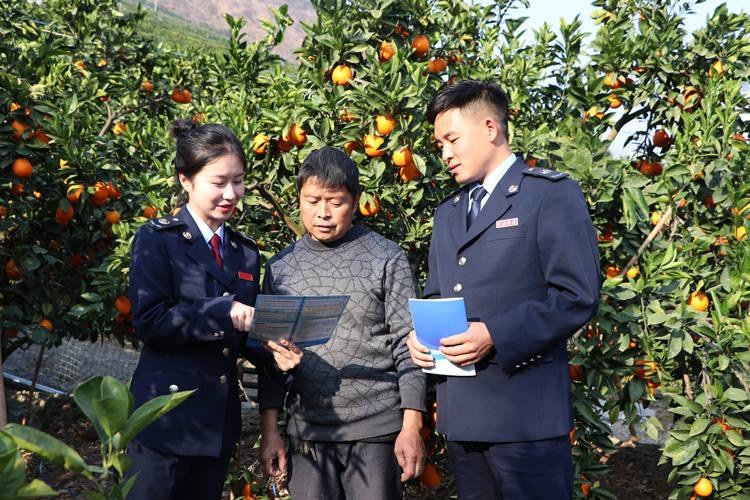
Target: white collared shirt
column 492, row 180
column 206, row 231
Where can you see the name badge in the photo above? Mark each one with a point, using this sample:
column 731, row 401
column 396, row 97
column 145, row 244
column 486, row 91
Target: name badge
column 502, row 223
column 244, row 276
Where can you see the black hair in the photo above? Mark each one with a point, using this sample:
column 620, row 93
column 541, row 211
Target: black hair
column 467, row 92
column 200, row 145
column 332, row 168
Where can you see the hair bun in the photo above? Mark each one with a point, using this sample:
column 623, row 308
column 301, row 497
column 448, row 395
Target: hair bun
column 179, row 128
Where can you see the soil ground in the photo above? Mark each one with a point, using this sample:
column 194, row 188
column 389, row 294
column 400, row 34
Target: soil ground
column 633, row 474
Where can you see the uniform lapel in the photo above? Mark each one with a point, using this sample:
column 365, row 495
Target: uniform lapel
column 199, row 250
column 457, row 219
column 232, row 256
column 498, row 204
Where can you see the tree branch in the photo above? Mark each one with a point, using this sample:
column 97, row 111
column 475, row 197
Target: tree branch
column 268, row 196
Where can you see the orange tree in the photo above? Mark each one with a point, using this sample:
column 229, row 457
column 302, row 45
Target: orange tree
column 671, row 216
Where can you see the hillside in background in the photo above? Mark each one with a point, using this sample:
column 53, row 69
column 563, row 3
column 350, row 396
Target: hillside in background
column 201, row 22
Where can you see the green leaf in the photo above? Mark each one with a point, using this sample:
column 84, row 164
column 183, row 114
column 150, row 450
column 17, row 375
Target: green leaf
column 699, row 426
column 148, row 413
column 35, row 489
column 735, row 394
column 12, row 467
column 85, row 395
column 735, row 438
column 685, row 453
column 49, row 448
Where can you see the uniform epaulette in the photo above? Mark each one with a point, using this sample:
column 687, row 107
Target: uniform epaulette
column 166, row 222
column 454, row 195
column 546, row 173
column 241, row 236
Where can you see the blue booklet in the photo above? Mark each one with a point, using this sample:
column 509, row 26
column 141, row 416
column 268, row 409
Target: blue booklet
column 304, row 320
column 435, row 319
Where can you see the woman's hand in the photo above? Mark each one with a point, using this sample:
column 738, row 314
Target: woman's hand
column 286, row 354
column 242, row 316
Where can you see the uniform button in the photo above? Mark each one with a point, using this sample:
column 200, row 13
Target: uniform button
column 225, row 294
column 221, row 333
column 217, row 334
column 223, row 379
column 462, row 261
column 538, row 356
column 524, row 363
column 458, row 287
column 225, row 352
column 173, row 388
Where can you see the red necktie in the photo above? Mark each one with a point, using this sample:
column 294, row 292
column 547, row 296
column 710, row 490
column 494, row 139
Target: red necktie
column 215, row 243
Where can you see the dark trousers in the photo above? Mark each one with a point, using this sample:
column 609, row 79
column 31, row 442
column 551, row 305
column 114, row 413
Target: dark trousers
column 538, row 470
column 350, row 470
column 162, row 476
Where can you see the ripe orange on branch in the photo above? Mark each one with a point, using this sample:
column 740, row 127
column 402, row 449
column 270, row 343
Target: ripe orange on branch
column 420, row 45
column 18, row 129
column 122, row 304
column 47, row 324
column 146, row 86
column 63, row 216
column 408, row 172
column 119, row 128
column 385, row 124
column 703, row 487
column 350, row 146
column 297, row 135
column 575, row 372
column 614, row 101
column 386, row 51
column 341, row 75
column 150, row 212
column 437, row 65
column 22, row 168
column 370, row 207
column 12, row 270
column 260, row 144
column 181, row 96
column 112, row 217
column 661, row 139
column 402, row 156
column 372, row 143
column 698, row 301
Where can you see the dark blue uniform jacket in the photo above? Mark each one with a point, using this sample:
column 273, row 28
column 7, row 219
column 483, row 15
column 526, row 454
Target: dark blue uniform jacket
column 181, row 302
column 528, row 268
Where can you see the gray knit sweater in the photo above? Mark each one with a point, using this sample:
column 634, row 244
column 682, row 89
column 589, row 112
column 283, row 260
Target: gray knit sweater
column 354, row 386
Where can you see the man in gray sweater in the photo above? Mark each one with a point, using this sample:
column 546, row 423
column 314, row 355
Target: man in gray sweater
column 355, row 403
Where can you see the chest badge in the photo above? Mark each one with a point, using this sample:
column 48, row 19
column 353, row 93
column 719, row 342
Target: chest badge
column 187, row 235
column 513, row 188
column 503, row 223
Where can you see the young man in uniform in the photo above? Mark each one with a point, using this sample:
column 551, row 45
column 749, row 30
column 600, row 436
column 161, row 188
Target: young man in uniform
column 517, row 243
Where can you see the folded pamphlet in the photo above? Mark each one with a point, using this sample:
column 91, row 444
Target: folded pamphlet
column 435, row 319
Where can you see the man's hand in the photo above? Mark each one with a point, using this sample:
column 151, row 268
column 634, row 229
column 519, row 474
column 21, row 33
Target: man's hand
column 467, row 347
column 409, row 447
column 272, row 453
column 420, row 355
column 242, row 316
column 286, row 354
